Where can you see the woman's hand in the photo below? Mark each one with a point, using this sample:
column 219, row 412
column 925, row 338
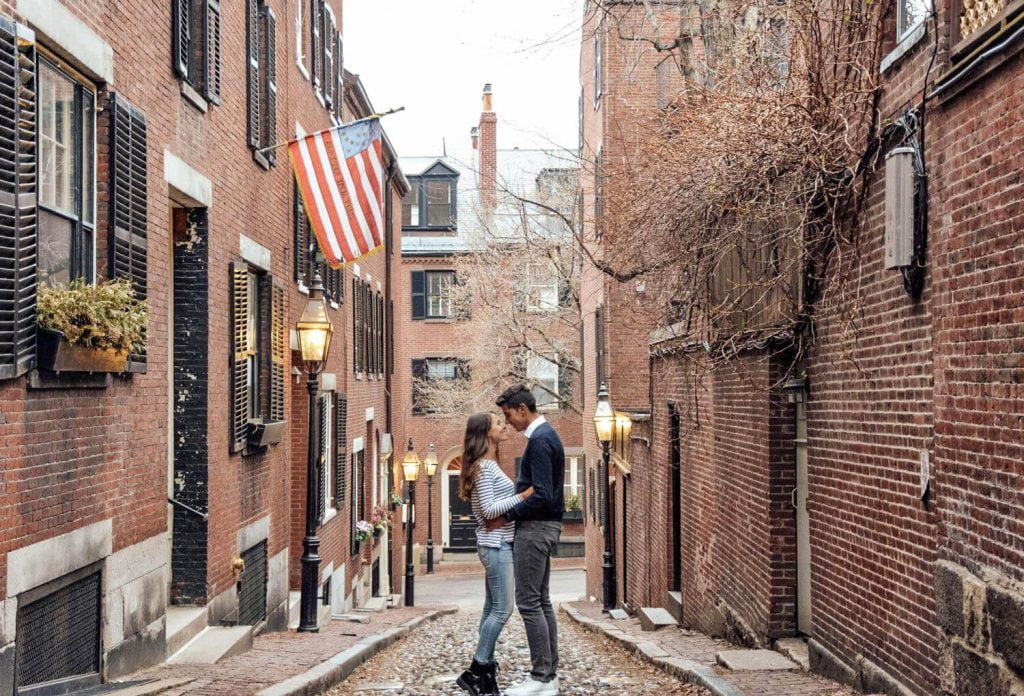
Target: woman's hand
column 527, row 493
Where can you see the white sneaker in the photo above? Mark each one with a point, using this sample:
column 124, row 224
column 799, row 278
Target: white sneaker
column 532, row 687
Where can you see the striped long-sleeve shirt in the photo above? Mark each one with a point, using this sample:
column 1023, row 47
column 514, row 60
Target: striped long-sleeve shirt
column 493, row 495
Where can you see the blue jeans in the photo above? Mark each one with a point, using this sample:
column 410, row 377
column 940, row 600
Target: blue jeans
column 498, row 599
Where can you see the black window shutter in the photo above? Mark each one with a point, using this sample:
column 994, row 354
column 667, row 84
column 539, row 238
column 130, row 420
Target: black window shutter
column 239, row 353
column 356, row 328
column 419, row 295
column 181, row 38
column 277, row 353
column 339, row 73
column 17, row 201
column 419, row 372
column 212, row 85
column 268, row 33
column 321, row 457
column 354, row 506
column 381, row 322
column 314, row 45
column 390, row 337
column 362, row 484
column 300, row 229
column 253, row 71
column 599, row 344
column 340, row 447
column 327, row 80
column 127, row 241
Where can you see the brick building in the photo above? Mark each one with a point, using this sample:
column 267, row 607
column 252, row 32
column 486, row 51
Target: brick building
column 453, row 201
column 900, row 561
column 143, row 502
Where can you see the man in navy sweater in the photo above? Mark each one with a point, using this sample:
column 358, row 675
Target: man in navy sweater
column 538, row 525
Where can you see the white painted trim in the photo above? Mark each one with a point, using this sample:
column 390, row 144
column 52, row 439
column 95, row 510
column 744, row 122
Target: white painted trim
column 65, row 33
column 252, row 534
column 379, row 286
column 445, row 508
column 194, row 189
column 355, row 270
column 357, row 444
column 328, row 382
column 369, row 414
column 254, row 253
column 47, row 560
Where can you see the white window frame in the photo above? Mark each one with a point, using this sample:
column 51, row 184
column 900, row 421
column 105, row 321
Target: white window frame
column 904, row 30
column 532, row 363
column 574, row 463
column 443, row 299
column 543, row 294
column 300, row 56
column 328, row 454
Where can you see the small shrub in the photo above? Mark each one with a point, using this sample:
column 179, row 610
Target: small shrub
column 103, row 316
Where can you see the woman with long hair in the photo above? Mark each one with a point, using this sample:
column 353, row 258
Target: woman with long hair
column 492, row 494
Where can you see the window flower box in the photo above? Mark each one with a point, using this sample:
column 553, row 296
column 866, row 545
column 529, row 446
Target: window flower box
column 55, row 353
column 572, row 515
column 264, row 432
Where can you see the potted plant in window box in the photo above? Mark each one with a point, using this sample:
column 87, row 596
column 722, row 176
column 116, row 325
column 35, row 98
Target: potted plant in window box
column 380, row 520
column 364, row 531
column 264, row 432
column 89, row 328
column 573, row 511
column 396, row 500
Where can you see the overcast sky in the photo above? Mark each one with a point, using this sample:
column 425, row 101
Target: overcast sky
column 434, row 56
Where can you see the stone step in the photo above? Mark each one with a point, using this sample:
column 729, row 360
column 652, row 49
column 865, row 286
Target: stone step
column 653, row 618
column 796, row 650
column 183, row 624
column 675, row 605
column 323, row 612
column 213, row 644
column 754, row 661
column 395, row 600
column 373, row 604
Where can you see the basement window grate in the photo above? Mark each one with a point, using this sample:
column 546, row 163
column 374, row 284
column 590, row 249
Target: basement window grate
column 59, row 635
column 252, row 596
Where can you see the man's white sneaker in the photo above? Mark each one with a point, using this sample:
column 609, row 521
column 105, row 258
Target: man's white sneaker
column 532, row 687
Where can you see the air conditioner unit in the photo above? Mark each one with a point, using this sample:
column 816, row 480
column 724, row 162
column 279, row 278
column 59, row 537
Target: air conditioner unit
column 899, row 208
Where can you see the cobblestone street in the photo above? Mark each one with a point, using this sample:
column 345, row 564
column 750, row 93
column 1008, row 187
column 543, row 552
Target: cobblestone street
column 430, row 659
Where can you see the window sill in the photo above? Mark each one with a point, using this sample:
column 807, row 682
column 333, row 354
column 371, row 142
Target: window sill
column 194, row 97
column 331, row 513
column 903, row 47
column 303, row 290
column 439, row 320
column 260, row 159
column 44, row 379
column 302, row 68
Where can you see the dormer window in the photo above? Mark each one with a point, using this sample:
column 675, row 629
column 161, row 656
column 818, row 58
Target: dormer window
column 431, row 203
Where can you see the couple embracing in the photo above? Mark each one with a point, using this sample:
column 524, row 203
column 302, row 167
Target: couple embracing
column 518, row 525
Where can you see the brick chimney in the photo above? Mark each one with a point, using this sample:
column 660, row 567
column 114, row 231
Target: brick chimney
column 487, row 154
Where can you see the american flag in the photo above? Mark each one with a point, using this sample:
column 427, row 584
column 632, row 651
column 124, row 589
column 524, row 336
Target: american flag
column 341, row 181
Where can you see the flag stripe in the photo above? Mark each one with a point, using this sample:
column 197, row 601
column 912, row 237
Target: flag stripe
column 302, row 165
column 338, row 196
column 328, row 206
column 340, row 177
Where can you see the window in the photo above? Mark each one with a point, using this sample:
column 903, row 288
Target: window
column 261, row 38
column 597, row 65
column 543, row 373
column 196, row 46
column 431, row 201
column 411, row 205
column 257, row 357
column 67, row 180
column 301, row 37
column 368, row 329
column 910, row 13
column 308, row 260
column 573, row 481
column 439, row 203
column 326, row 65
column 432, row 369
column 439, row 300
column 543, row 293
column 324, row 464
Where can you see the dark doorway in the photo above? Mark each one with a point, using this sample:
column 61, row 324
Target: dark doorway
column 461, row 523
column 676, row 505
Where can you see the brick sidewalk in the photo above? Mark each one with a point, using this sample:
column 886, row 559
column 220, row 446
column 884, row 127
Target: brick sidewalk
column 276, row 657
column 689, row 649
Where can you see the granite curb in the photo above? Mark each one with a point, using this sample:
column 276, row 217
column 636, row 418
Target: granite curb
column 686, row 670
column 330, row 672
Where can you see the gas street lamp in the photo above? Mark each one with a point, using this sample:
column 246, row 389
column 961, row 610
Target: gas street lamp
column 314, row 331
column 430, row 466
column 604, row 425
column 411, row 471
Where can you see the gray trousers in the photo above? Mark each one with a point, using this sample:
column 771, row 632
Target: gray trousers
column 531, row 552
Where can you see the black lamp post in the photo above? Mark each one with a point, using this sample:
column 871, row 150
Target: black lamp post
column 430, row 465
column 314, row 333
column 411, row 470
column 604, row 423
